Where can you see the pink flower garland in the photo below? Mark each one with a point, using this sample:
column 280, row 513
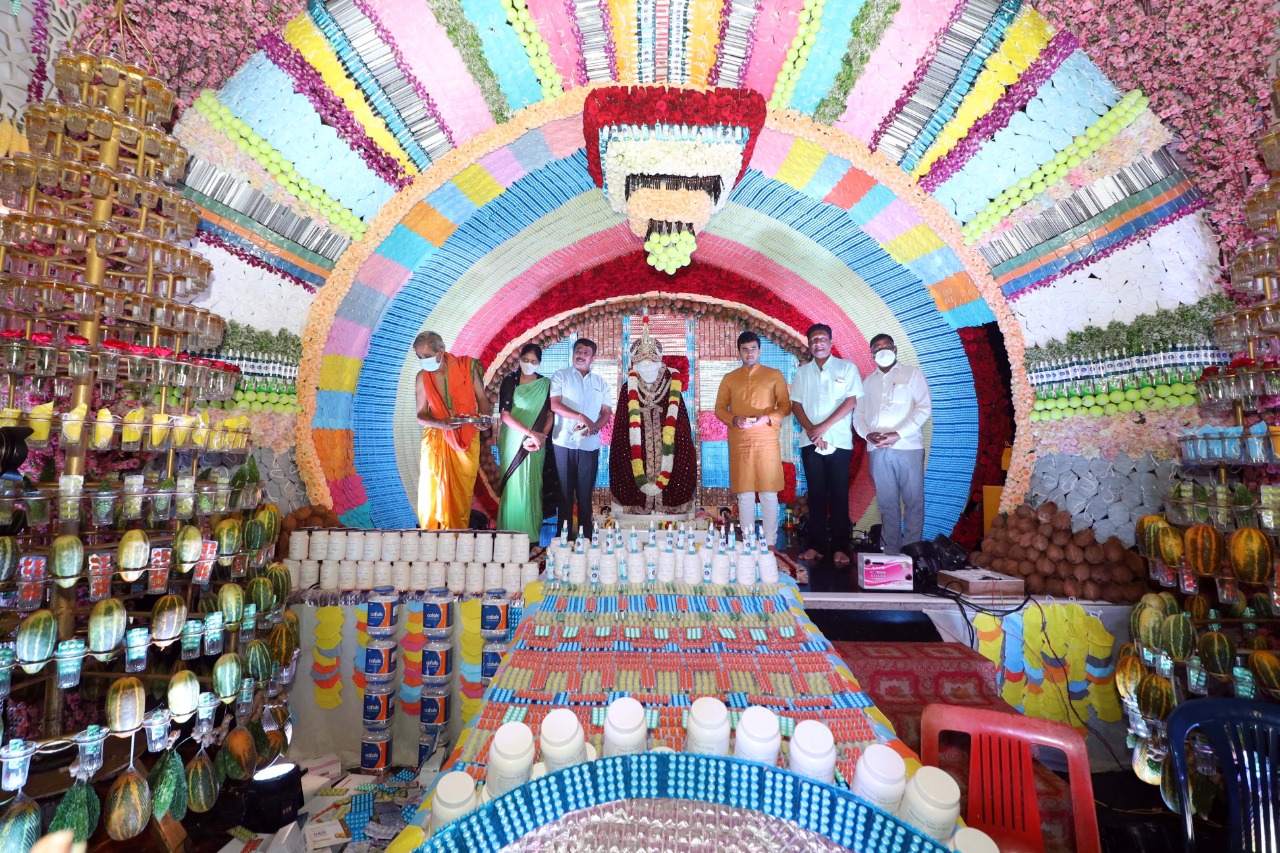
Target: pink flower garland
column 1014, row 100
column 253, row 260
column 922, row 69
column 333, row 112
column 39, row 50
column 385, row 37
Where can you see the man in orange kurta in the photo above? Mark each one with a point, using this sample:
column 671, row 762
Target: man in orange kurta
column 448, row 386
column 753, row 402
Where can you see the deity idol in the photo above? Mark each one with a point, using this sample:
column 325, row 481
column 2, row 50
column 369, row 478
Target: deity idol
column 653, row 469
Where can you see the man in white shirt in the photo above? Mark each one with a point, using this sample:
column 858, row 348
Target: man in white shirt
column 823, row 394
column 891, row 418
column 578, row 400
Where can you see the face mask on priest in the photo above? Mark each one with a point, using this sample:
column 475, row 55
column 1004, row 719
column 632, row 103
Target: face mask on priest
column 648, row 369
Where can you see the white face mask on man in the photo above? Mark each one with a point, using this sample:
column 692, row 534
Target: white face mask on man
column 431, row 365
column 886, row 357
column 528, row 369
column 648, row 369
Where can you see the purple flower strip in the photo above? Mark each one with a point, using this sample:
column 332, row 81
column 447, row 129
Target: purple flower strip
column 579, row 73
column 333, row 112
column 610, row 47
column 1195, row 205
column 713, row 77
column 253, row 260
column 922, row 69
column 384, row 35
column 1014, row 100
column 40, row 50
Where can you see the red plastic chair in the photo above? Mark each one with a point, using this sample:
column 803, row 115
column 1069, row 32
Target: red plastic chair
column 1002, row 790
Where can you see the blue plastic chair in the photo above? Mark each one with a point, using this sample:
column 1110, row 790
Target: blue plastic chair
column 1245, row 738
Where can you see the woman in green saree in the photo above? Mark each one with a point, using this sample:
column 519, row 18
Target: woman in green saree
column 524, row 401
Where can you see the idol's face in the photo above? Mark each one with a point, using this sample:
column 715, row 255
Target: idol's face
column 820, row 345
column 583, row 356
column 749, row 353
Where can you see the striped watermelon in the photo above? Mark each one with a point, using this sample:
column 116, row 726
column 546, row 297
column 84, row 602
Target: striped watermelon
column 128, row 807
column 1266, row 670
column 290, row 620
column 9, row 555
column 1145, row 764
column 133, row 555
column 1146, row 529
column 1205, row 549
column 227, row 673
column 66, row 560
column 227, row 535
column 255, row 535
column 183, row 695
column 1154, row 696
column 262, row 595
column 1197, row 606
column 1250, row 554
column 126, row 705
column 282, row 644
column 242, row 753
column 1150, row 621
column 1129, row 671
column 1178, row 637
column 107, row 622
column 1217, row 652
column 257, row 660
column 1171, row 546
column 231, row 603
column 36, row 638
column 269, row 515
column 281, row 582
column 1261, row 604
column 20, row 825
column 168, row 616
column 187, row 543
column 202, row 787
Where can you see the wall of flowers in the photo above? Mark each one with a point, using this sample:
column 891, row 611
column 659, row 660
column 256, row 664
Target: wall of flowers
column 1058, row 184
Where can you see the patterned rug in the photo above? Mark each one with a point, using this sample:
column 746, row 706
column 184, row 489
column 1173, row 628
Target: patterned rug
column 902, row 678
column 788, row 564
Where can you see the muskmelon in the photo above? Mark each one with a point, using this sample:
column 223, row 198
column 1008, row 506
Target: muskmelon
column 1145, row 764
column 1178, row 637
column 262, row 595
column 1170, row 543
column 281, row 582
column 126, row 705
column 231, row 603
column 281, row 643
column 257, row 660
column 10, row 553
column 1249, row 552
column 128, row 808
column 1154, row 696
column 1205, row 548
column 1129, row 671
column 37, row 636
column 168, row 616
column 227, row 535
column 188, row 542
column 202, row 787
column 1266, row 670
column 254, row 534
column 1150, row 621
column 242, row 753
column 227, row 672
column 1217, row 652
column 20, row 825
column 66, row 560
column 107, row 622
column 1197, row 606
column 183, row 695
column 133, row 555
column 1146, row 530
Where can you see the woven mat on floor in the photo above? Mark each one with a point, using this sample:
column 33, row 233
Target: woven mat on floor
column 902, row 678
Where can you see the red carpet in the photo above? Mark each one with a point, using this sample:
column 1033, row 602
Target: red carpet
column 902, row 678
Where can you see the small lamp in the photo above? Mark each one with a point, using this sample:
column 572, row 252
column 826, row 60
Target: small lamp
column 273, row 797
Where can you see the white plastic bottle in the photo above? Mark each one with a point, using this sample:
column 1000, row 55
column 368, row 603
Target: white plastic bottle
column 625, row 729
column 932, row 803
column 813, row 751
column 970, row 840
column 510, row 759
column 880, row 778
column 561, row 740
column 758, row 736
column 455, row 795
column 708, row 729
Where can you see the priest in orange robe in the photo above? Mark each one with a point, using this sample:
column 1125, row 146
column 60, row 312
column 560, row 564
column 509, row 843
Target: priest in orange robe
column 448, row 387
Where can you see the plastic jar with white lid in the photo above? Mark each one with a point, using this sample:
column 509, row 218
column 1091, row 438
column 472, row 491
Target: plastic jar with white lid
column 707, row 731
column 813, row 751
column 561, row 740
column 626, row 731
column 409, row 546
column 758, row 736
column 317, row 545
column 446, row 546
column 880, row 778
column 455, row 796
column 354, row 544
column 510, row 758
column 429, row 546
column 519, row 548
column 337, row 545
column 483, row 552
column 932, row 803
column 970, row 840
column 465, row 547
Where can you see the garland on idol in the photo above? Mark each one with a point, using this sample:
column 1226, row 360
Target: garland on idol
column 656, row 486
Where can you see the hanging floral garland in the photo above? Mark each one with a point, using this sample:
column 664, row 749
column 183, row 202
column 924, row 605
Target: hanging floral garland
column 668, row 434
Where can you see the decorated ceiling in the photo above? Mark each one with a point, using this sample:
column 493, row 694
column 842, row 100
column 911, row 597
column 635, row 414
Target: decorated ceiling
column 925, row 167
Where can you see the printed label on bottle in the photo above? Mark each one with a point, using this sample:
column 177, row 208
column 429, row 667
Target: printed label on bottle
column 378, row 707
column 489, row 662
column 493, row 616
column 435, row 709
column 379, row 660
column 437, row 662
column 375, row 753
column 435, row 615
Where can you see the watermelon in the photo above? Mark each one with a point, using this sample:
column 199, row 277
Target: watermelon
column 255, row 535
column 9, row 555
column 107, row 622
column 1150, row 621
column 257, row 660
column 1217, row 652
column 242, row 753
column 168, row 616
column 1266, row 670
column 19, row 825
column 128, row 806
column 262, row 595
column 133, row 555
column 202, row 787
column 1205, row 549
column 1147, row 529
column 36, row 638
column 1127, row 650
column 1170, row 544
column 1262, row 605
column 269, row 515
column 1178, row 637
column 1168, row 601
column 187, row 544
column 290, row 620
column 1197, row 606
column 78, row 811
column 183, row 695
column 126, row 705
column 227, row 535
column 1250, row 555
column 281, row 582
column 281, row 643
column 231, row 603
column 66, row 560
column 227, row 673
column 1154, row 696
column 1145, row 764
column 1129, row 672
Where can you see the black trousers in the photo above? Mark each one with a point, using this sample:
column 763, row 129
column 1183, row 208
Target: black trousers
column 576, row 470
column 828, row 478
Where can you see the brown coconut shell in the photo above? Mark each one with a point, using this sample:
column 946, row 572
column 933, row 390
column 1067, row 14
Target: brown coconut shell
column 1054, row 552
column 1113, row 549
column 1061, row 520
column 1036, row 584
column 1074, row 553
column 1084, row 538
column 1093, row 555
